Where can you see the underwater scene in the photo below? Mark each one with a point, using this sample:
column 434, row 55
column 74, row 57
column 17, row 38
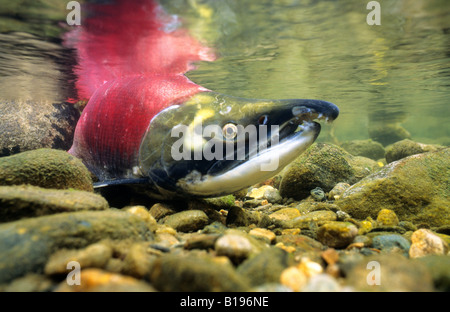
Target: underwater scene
column 259, row 147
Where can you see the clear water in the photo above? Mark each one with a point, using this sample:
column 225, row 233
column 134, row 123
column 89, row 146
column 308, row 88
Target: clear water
column 397, row 73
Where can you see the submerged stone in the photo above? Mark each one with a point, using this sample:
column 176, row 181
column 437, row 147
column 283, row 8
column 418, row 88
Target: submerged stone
column 405, row 148
column 47, row 168
column 24, row 201
column 366, row 148
column 323, row 165
column 27, row 244
column 416, row 188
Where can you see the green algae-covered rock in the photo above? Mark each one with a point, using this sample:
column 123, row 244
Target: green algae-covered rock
column 27, row 244
column 337, row 234
column 405, row 148
column 23, row 201
column 265, row 267
column 173, row 272
column 416, row 188
column 366, row 148
column 323, row 165
column 46, row 168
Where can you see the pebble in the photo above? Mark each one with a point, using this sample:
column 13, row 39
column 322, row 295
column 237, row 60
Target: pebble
column 234, row 246
column 187, row 221
column 331, row 256
column 316, row 217
column 392, row 243
column 268, row 192
column 337, row 234
column 294, row 278
column 425, row 242
column 96, row 280
column 264, row 234
column 338, row 190
column 285, row 214
column 159, row 210
column 318, row 194
column 387, row 217
column 322, row 283
column 244, row 217
column 265, row 267
column 93, row 256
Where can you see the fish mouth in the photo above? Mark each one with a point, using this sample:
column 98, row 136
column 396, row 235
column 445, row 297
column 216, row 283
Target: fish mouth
column 266, row 136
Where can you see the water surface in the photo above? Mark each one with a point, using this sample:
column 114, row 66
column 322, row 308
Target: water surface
column 396, row 74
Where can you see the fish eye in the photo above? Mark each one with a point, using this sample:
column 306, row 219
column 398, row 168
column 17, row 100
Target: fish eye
column 263, row 119
column 229, row 131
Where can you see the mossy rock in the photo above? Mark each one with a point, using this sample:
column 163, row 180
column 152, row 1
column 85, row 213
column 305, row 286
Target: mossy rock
column 27, row 244
column 47, row 168
column 323, row 165
column 366, row 148
column 416, row 188
column 24, row 201
column 405, row 148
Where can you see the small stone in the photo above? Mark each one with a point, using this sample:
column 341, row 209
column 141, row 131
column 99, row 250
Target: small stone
column 391, row 243
column 294, row 278
column 425, row 242
column 142, row 213
column 264, row 234
column 337, row 234
column 159, row 211
column 30, row 283
column 322, row 283
column 310, row 268
column 285, row 214
column 244, row 217
column 341, row 215
column 271, row 194
column 235, row 247
column 387, row 217
column 318, row 194
column 338, row 190
column 187, row 221
column 138, row 261
column 316, row 217
column 365, row 227
column 93, row 256
column 201, row 241
column 265, row 267
column 330, row 256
